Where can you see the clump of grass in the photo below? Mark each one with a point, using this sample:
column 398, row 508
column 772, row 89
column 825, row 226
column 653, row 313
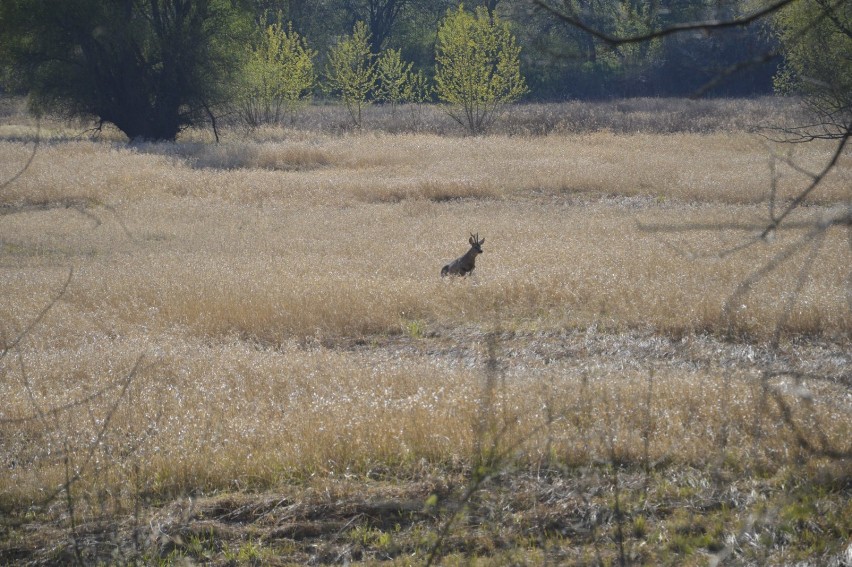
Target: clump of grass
column 430, row 190
column 416, row 329
column 278, row 157
column 449, row 191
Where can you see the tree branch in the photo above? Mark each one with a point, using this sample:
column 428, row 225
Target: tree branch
column 29, row 160
column 817, row 179
column 17, row 340
column 704, row 25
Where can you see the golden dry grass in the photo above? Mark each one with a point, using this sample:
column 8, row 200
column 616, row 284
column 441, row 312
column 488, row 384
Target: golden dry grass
column 285, row 301
column 351, row 247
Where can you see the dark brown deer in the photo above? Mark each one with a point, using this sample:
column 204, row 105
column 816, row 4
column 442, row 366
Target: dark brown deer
column 465, row 264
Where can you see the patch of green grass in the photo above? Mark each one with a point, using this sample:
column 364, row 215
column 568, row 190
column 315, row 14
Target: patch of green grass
column 639, row 527
column 692, row 532
column 416, row 328
column 373, row 538
column 250, row 552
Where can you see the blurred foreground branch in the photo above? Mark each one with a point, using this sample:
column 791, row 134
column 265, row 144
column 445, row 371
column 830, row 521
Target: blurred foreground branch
column 571, row 16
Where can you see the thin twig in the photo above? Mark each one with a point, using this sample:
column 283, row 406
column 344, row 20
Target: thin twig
column 704, row 25
column 816, row 180
column 17, row 340
column 66, row 486
column 29, row 160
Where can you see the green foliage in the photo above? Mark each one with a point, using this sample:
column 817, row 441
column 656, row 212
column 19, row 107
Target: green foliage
column 419, row 88
column 351, row 71
column 398, row 83
column 394, row 76
column 150, row 68
column 366, row 536
column 279, row 75
column 416, row 329
column 816, row 37
column 477, row 67
column 419, row 91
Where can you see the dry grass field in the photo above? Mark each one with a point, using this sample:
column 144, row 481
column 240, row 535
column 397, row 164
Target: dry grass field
column 244, row 354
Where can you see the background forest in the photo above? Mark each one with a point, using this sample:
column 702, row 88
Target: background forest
column 155, row 68
column 560, row 61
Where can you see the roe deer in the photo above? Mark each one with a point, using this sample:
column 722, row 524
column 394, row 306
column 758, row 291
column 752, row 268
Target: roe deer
column 465, row 264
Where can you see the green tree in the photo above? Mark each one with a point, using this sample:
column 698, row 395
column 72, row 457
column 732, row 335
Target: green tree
column 419, row 89
column 816, row 39
column 351, row 71
column 279, row 75
column 394, row 74
column 150, row 67
column 477, row 67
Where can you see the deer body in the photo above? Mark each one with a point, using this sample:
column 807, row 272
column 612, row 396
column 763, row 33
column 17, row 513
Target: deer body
column 465, row 264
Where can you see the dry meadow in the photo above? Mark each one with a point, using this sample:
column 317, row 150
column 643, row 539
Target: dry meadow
column 244, row 353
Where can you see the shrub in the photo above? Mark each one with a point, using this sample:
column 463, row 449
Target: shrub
column 477, row 68
column 351, row 71
column 279, row 76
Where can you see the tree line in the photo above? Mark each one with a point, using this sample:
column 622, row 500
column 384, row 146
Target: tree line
column 562, row 61
column 154, row 67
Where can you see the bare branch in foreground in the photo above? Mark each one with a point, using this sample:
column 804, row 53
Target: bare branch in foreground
column 704, row 25
column 815, row 181
column 29, row 161
column 23, row 334
column 104, row 428
column 773, row 264
column 776, row 220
